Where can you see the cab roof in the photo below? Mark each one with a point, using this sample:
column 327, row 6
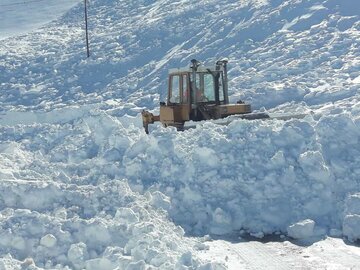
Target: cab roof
column 188, row 69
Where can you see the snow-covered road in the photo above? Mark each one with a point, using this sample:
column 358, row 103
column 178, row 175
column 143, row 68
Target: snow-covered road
column 329, row 253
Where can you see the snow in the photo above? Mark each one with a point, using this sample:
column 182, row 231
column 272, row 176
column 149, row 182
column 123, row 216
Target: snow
column 106, row 226
column 301, row 230
column 82, row 186
column 351, row 223
column 48, row 241
column 274, row 253
column 258, row 192
column 20, row 17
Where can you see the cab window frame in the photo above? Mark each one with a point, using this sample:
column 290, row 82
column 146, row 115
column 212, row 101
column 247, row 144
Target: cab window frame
column 171, row 90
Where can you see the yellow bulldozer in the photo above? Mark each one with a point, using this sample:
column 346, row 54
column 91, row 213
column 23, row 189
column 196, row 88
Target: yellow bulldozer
column 200, row 93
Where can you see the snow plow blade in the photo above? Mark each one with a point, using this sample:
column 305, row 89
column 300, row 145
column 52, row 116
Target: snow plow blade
column 253, row 116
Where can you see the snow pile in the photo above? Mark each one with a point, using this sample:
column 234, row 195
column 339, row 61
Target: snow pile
column 70, row 129
column 62, row 205
column 261, row 176
column 93, row 227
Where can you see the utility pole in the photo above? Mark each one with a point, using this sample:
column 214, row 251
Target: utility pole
column 86, row 30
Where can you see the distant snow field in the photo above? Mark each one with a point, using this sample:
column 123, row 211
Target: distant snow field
column 21, row 16
column 83, row 187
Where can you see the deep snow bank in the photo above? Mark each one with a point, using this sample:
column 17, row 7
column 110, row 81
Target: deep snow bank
column 258, row 176
column 261, row 176
column 61, row 205
column 89, row 227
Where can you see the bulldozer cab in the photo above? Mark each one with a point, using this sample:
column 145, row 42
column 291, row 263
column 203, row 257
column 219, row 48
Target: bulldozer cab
column 197, row 85
column 196, row 93
column 201, row 93
column 181, row 91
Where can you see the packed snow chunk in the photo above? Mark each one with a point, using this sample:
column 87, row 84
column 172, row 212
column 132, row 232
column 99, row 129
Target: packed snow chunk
column 213, row 266
column 99, row 264
column 301, row 230
column 48, row 240
column 28, row 263
column 258, row 235
column 159, row 200
column 351, row 227
column 351, row 223
column 207, row 157
column 159, row 259
column 97, row 233
column 18, row 243
column 126, row 216
column 186, row 259
column 140, row 265
column 353, row 204
column 313, row 164
column 222, row 222
column 77, row 255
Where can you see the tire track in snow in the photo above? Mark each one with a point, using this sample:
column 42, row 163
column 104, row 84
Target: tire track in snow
column 251, row 255
column 258, row 256
column 334, row 253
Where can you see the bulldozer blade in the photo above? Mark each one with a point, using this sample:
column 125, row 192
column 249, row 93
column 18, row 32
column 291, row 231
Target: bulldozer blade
column 253, row 116
column 266, row 116
column 286, row 117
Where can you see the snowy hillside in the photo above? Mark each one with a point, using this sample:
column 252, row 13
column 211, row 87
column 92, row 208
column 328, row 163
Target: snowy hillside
column 81, row 184
column 20, row 17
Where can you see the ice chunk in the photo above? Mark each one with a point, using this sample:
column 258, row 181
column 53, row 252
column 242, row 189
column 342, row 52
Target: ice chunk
column 126, row 216
column 313, row 164
column 221, row 222
column 302, row 229
column 99, row 263
column 353, row 204
column 186, row 259
column 140, row 265
column 48, row 240
column 28, row 263
column 207, row 157
column 159, row 200
column 77, row 254
column 18, row 243
column 258, row 235
column 351, row 223
column 351, row 227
